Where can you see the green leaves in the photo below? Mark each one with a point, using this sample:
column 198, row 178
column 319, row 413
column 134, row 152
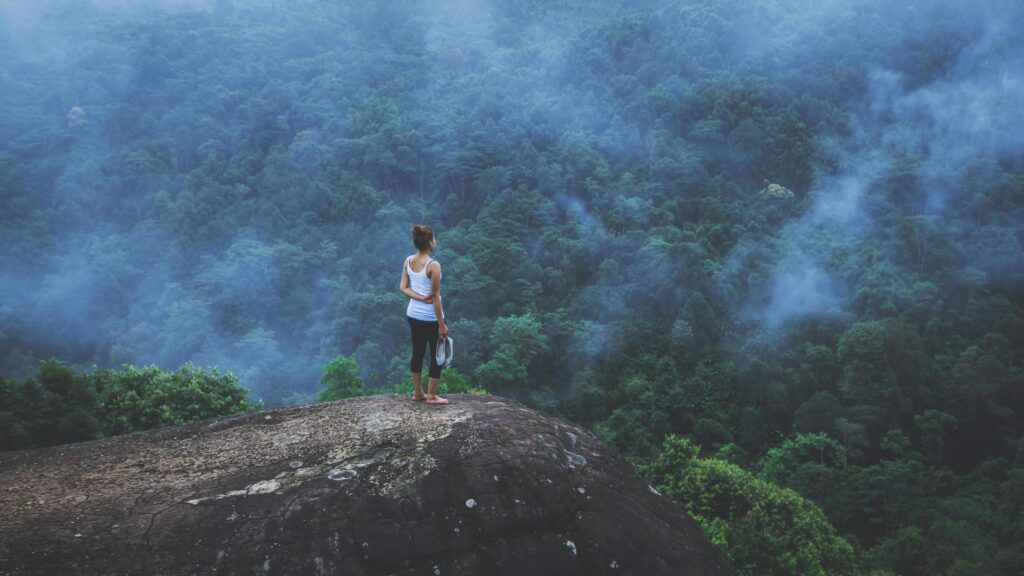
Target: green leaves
column 762, row 528
column 781, row 460
column 933, row 425
column 867, row 380
column 516, row 340
column 59, row 405
column 340, row 379
column 144, row 398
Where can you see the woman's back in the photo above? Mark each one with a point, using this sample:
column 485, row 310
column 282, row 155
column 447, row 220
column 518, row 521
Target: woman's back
column 419, row 282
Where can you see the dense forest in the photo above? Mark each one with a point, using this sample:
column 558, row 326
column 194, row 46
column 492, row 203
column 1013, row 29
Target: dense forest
column 771, row 250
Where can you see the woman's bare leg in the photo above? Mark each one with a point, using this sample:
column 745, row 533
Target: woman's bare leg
column 417, row 386
column 432, row 397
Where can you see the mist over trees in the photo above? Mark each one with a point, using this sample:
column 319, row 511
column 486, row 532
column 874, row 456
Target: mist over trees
column 778, row 241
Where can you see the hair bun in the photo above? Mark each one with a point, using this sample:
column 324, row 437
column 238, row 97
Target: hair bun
column 421, row 236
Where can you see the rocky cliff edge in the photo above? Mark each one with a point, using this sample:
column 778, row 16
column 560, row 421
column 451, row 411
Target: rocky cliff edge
column 364, row 486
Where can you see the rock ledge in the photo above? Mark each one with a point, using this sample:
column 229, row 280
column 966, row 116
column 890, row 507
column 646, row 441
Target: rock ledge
column 370, row 485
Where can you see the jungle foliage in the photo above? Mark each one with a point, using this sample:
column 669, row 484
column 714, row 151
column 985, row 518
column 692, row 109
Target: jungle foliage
column 772, row 251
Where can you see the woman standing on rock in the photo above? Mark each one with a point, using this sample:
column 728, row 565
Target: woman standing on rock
column 421, row 282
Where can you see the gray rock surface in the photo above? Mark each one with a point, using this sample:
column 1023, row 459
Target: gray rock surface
column 370, row 485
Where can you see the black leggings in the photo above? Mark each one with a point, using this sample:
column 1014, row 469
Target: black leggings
column 424, row 332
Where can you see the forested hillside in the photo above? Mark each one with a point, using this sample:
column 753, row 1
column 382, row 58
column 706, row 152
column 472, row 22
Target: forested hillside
column 773, row 244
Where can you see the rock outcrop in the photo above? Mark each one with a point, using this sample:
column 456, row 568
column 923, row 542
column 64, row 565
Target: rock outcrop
column 370, row 485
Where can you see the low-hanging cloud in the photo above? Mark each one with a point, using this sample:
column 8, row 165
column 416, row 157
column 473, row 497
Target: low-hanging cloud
column 972, row 111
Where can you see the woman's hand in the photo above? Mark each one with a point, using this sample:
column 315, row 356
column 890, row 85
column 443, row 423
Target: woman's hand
column 427, row 299
column 442, row 330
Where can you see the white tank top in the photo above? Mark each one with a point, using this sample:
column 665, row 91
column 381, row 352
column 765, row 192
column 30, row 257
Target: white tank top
column 420, row 283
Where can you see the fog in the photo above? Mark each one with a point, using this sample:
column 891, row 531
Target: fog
column 109, row 143
column 966, row 121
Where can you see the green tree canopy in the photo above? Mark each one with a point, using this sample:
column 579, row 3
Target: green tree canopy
column 340, row 379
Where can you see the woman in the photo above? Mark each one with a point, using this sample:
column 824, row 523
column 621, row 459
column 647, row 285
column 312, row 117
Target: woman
column 421, row 282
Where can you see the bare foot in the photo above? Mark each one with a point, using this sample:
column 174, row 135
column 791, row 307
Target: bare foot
column 436, row 400
column 418, row 397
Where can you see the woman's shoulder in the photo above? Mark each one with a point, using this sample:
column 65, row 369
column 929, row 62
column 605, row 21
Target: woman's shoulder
column 432, row 264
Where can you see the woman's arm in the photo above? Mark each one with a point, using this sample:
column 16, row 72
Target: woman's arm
column 435, row 295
